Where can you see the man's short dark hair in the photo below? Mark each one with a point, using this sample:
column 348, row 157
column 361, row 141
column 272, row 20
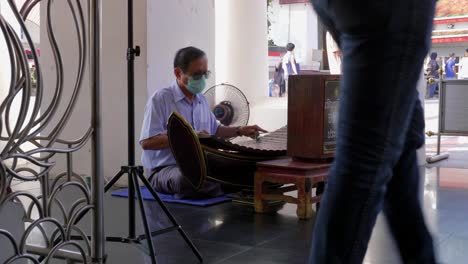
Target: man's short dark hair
column 185, row 56
column 290, row 47
column 466, row 50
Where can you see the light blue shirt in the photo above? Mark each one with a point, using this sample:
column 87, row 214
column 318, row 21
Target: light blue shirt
column 158, row 109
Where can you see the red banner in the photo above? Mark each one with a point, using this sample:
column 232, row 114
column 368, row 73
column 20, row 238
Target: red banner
column 274, row 54
column 450, row 20
column 449, row 40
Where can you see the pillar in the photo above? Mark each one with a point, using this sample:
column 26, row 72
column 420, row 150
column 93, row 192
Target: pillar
column 242, row 46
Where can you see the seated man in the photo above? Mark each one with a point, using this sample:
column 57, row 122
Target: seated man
column 184, row 97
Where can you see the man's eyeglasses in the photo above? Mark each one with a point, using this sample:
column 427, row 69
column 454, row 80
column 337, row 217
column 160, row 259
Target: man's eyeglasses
column 199, row 75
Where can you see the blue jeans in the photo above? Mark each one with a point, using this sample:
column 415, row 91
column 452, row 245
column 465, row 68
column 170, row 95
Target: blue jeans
column 380, row 126
column 432, row 89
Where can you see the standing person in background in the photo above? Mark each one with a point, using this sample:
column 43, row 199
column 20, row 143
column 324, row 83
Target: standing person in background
column 380, row 126
column 289, row 63
column 279, row 77
column 432, row 71
column 450, row 67
column 463, row 66
column 334, row 55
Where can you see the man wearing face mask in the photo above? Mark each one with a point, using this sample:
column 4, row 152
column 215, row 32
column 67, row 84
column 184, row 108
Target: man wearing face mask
column 184, row 97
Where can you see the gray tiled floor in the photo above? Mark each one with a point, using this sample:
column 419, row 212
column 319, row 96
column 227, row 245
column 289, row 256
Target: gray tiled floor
column 232, row 233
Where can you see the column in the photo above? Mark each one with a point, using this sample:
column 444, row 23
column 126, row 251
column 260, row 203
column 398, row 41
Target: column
column 242, row 46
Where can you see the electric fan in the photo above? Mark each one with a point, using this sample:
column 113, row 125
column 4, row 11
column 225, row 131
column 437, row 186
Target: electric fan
column 229, row 104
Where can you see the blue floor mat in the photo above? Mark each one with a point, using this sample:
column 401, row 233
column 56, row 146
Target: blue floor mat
column 170, row 198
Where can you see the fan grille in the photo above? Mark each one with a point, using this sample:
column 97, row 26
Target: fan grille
column 229, row 104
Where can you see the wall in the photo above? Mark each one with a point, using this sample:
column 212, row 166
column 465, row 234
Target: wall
column 445, row 50
column 7, row 13
column 456, row 26
column 114, row 81
column 458, row 48
column 173, row 25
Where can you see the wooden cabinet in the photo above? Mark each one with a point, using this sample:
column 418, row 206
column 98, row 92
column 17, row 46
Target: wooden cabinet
column 312, row 116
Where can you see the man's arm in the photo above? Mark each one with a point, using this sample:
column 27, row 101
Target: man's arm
column 227, row 132
column 337, row 53
column 293, row 64
column 230, row 132
column 153, row 132
column 157, row 142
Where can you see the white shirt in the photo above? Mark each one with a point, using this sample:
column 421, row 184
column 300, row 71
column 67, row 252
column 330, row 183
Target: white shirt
column 334, row 61
column 158, row 109
column 463, row 68
column 289, row 58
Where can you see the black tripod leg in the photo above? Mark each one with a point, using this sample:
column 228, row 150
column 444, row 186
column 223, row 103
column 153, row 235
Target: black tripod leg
column 131, row 203
column 114, row 180
column 170, row 216
column 143, row 216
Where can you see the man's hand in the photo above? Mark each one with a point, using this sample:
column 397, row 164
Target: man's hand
column 251, row 131
column 203, row 134
column 231, row 132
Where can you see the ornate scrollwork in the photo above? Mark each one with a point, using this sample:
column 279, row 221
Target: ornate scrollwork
column 34, row 125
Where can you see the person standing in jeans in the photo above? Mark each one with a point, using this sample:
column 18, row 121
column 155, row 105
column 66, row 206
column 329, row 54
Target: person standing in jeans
column 380, row 127
column 279, row 77
column 432, row 70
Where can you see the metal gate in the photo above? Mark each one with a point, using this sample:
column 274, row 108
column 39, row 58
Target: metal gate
column 60, row 234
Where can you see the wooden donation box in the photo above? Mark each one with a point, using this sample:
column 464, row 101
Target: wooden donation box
column 312, row 116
